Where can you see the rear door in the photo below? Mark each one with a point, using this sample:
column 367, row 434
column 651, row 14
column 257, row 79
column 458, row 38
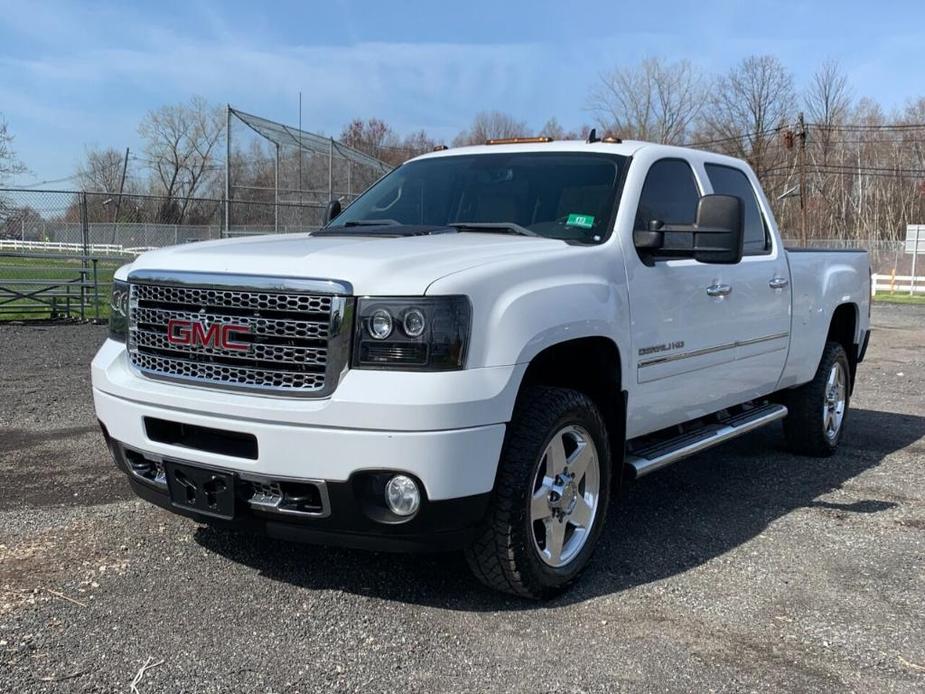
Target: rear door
column 759, row 303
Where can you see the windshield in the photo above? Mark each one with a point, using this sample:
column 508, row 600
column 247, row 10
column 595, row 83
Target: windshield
column 563, row 195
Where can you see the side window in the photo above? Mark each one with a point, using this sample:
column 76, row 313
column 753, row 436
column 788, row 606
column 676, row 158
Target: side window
column 727, row 180
column 669, row 194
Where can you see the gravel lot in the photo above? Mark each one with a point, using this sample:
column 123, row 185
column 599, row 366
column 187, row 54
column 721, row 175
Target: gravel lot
column 742, row 569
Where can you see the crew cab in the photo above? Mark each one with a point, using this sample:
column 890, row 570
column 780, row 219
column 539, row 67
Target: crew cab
column 477, row 353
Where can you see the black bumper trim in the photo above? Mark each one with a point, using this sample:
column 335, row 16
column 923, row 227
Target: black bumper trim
column 354, row 521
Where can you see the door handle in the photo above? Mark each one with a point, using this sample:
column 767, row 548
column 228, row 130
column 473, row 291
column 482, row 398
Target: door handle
column 719, row 290
column 778, row 282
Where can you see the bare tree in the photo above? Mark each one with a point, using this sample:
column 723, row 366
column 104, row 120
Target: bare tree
column 748, row 108
column 102, row 171
column 180, row 144
column 489, row 125
column 373, row 136
column 376, row 138
column 655, row 100
column 828, row 97
column 827, row 102
column 553, row 129
column 10, row 165
column 556, row 131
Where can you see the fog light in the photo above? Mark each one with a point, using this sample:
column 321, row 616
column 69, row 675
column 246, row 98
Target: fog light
column 402, row 495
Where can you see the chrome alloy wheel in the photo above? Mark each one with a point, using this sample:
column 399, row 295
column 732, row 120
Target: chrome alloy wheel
column 833, row 408
column 566, row 491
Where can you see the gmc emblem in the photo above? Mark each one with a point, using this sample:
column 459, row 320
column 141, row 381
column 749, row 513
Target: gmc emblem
column 190, row 333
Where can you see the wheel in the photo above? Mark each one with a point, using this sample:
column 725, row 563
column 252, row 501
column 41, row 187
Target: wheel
column 817, row 410
column 550, row 498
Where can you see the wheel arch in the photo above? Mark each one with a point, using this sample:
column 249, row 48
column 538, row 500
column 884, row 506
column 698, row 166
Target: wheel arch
column 593, row 366
column 843, row 328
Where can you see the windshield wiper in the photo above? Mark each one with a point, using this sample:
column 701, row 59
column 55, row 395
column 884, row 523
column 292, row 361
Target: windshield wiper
column 496, row 227
column 371, row 223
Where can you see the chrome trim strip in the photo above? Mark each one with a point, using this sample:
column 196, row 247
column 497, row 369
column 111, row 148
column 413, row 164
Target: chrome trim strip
column 161, row 481
column 273, row 504
column 766, row 338
column 710, row 350
column 643, row 466
column 210, row 280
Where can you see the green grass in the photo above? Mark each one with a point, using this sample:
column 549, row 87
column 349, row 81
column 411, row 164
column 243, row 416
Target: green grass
column 899, row 298
column 14, row 268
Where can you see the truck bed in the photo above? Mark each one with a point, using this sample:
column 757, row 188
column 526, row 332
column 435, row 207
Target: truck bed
column 821, row 281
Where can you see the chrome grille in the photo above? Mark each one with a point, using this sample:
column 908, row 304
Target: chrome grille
column 285, row 340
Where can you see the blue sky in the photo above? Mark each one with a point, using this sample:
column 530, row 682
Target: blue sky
column 76, row 74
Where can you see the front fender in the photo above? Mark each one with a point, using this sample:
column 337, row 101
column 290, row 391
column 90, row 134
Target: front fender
column 522, row 307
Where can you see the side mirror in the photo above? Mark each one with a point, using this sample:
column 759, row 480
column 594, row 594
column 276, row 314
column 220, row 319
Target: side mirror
column 332, row 211
column 716, row 237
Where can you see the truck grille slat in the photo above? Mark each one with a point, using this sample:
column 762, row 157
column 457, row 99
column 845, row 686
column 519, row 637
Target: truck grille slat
column 229, row 375
column 259, row 327
column 313, row 356
column 214, row 297
column 284, row 341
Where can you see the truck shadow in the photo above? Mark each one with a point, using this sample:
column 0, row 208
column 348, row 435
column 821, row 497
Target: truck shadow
column 665, row 524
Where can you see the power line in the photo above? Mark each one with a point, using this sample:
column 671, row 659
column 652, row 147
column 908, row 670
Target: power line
column 53, row 180
column 734, row 138
column 865, row 126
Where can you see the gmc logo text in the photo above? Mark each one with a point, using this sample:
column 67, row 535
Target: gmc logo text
column 188, row 333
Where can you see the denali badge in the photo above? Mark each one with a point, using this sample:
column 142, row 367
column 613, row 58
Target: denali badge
column 189, row 333
column 667, row 347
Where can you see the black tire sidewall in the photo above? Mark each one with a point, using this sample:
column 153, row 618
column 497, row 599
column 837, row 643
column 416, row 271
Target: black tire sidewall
column 804, row 426
column 587, row 417
column 838, row 356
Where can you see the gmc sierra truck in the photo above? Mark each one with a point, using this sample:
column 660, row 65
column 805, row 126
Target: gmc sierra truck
column 477, row 352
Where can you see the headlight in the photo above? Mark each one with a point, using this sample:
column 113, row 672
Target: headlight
column 118, row 311
column 424, row 333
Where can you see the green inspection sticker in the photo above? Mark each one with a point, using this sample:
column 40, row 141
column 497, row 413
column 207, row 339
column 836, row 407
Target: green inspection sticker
column 585, row 221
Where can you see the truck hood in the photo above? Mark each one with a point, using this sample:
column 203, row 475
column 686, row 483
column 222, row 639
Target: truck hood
column 383, row 266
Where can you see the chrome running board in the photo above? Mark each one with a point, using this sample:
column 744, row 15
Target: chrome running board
column 658, row 455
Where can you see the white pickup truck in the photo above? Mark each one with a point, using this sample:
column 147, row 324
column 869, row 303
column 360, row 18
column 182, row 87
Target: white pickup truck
column 477, row 352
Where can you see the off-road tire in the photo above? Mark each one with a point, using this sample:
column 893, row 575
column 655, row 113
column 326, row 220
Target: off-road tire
column 804, row 427
column 503, row 555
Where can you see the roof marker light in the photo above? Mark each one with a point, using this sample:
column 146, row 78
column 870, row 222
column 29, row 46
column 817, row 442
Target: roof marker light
column 517, row 140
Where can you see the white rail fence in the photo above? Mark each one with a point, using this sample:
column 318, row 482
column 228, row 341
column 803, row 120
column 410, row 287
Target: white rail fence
column 892, row 283
column 71, row 248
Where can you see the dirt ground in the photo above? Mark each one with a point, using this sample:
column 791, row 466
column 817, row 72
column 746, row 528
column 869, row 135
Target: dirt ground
column 741, row 569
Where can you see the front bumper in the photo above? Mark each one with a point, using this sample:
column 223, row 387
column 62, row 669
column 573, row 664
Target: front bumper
column 443, row 429
column 350, row 518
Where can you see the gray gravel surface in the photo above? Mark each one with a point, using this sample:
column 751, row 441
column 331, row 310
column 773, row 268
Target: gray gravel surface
column 743, row 569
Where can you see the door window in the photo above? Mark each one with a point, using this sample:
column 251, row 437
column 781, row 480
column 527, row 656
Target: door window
column 669, row 195
column 727, row 180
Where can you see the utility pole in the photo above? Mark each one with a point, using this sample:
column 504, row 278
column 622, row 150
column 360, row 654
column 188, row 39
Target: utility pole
column 227, row 168
column 801, row 153
column 331, row 169
column 300, row 160
column 115, row 213
column 276, row 193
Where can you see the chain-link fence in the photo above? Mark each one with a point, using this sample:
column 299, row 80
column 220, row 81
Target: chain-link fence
column 886, row 257
column 289, row 172
column 59, row 249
